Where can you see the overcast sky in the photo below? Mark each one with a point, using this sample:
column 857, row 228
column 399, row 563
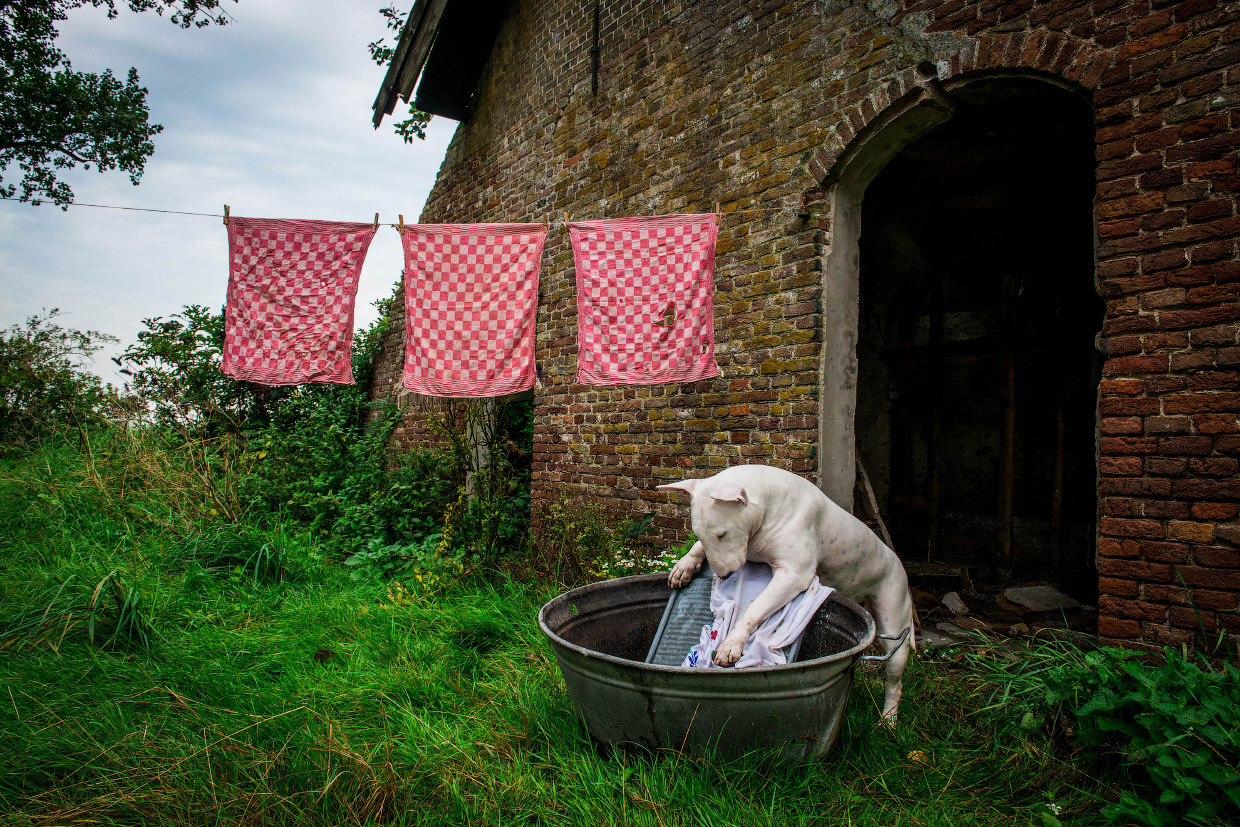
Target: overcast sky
column 269, row 114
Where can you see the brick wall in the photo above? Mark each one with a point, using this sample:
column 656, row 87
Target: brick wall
column 752, row 105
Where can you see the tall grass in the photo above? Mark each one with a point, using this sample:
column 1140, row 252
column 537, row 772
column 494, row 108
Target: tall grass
column 278, row 690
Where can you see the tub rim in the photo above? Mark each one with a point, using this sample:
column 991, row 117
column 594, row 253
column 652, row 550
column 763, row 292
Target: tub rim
column 851, row 653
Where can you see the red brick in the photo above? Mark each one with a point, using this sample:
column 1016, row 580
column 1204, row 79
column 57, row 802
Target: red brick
column 1131, row 528
column 1140, row 610
column 1191, row 403
column 1118, row 587
column 1127, row 387
column 1122, row 425
column 1182, row 445
column 1113, row 547
column 1136, row 570
column 1165, row 552
column 1215, row 511
column 1166, row 466
column 1218, row 556
column 1127, row 365
column 1210, row 577
column 1217, row 601
column 1137, row 487
column 1213, row 380
column 1167, row 424
column 1216, row 423
column 1132, row 205
column 1128, row 445
column 1120, row 406
column 1120, row 466
column 1226, row 490
column 1214, row 466
column 1157, row 593
column 1191, row 618
column 1113, row 627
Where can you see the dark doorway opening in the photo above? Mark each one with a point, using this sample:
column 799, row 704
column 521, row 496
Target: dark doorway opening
column 978, row 374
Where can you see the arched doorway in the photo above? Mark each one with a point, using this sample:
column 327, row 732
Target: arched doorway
column 977, row 373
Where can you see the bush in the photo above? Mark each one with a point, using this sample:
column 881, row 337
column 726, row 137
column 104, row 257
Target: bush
column 44, row 380
column 1172, row 728
column 317, row 463
column 175, row 378
column 581, row 541
column 1176, row 725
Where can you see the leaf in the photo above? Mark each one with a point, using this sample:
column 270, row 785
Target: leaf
column 1222, row 776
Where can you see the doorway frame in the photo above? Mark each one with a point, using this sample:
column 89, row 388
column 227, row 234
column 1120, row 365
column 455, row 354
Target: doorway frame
column 928, row 105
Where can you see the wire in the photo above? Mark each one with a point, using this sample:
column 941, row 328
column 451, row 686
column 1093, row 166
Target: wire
column 134, row 209
column 554, row 222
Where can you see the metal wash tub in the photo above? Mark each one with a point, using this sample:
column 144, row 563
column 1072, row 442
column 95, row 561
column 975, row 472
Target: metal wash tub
column 600, row 633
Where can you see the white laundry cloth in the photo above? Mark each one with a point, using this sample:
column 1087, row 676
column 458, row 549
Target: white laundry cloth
column 728, row 599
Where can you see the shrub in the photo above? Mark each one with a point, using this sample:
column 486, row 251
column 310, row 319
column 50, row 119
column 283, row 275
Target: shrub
column 1176, row 725
column 318, row 464
column 175, row 379
column 44, row 381
column 581, row 541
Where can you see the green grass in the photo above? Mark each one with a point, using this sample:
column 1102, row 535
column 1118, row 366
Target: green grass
column 278, row 690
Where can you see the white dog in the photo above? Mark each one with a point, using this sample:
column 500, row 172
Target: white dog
column 755, row 512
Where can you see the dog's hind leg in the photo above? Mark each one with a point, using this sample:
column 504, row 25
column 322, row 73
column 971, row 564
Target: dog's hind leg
column 893, row 613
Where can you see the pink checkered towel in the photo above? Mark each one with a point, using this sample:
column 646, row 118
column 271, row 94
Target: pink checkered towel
column 471, row 292
column 291, row 289
column 645, row 299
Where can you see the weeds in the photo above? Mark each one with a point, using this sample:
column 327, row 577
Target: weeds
column 578, row 540
column 1171, row 726
column 68, row 607
column 245, row 552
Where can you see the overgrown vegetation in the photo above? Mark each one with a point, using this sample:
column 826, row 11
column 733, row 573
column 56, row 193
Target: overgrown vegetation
column 222, row 603
column 44, row 381
column 1171, row 727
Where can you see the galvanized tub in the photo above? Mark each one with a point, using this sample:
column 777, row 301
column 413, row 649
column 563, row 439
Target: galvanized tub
column 600, row 633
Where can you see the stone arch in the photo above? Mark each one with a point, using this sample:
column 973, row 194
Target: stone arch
column 865, row 136
column 1057, row 56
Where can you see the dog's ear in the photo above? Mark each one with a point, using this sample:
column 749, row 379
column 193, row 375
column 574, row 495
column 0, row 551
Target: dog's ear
column 687, row 486
column 730, row 492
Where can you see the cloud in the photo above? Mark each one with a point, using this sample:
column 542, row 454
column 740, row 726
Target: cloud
column 270, row 114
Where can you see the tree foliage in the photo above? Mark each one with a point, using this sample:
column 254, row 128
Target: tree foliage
column 54, row 118
column 44, row 376
column 381, row 53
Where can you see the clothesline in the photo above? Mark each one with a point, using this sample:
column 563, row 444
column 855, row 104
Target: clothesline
column 802, row 213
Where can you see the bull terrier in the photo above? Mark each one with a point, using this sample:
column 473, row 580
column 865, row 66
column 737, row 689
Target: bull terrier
column 755, row 512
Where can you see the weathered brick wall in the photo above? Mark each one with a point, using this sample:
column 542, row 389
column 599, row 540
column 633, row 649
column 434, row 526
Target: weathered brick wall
column 751, row 105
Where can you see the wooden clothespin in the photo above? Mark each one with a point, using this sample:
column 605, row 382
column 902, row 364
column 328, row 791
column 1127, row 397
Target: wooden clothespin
column 225, row 215
column 401, row 227
column 376, row 222
column 566, row 219
column 717, row 208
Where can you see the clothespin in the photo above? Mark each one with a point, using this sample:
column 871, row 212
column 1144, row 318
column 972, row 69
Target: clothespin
column 716, row 208
column 376, row 222
column 566, row 219
column 401, row 228
column 225, row 215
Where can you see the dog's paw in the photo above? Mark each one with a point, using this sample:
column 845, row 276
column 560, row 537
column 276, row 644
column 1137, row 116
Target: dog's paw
column 730, row 651
column 681, row 574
